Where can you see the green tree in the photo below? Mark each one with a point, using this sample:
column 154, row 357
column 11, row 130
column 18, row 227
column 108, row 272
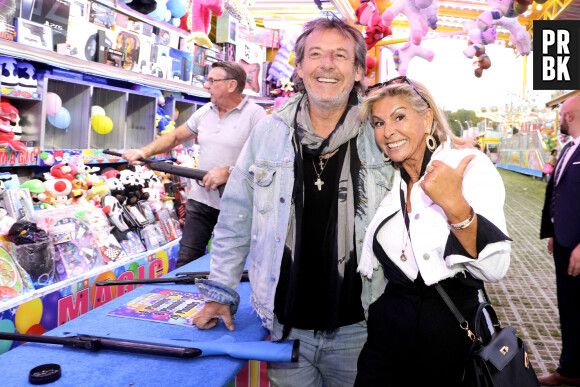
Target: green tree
column 461, row 119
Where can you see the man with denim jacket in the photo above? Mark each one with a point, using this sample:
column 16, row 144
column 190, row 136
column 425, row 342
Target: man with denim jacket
column 307, row 182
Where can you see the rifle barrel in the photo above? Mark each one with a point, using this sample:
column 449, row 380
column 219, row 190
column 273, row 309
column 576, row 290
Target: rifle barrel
column 95, row 343
column 180, row 278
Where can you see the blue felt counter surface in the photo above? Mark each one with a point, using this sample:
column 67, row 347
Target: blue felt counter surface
column 110, row 368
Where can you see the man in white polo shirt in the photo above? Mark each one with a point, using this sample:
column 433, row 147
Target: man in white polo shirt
column 221, row 127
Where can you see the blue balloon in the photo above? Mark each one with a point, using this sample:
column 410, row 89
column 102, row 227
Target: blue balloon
column 49, row 319
column 6, row 326
column 61, row 119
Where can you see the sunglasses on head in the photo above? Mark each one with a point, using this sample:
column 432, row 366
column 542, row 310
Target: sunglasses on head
column 396, row 81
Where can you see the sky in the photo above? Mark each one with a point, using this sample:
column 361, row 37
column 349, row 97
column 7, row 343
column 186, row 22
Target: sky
column 450, row 76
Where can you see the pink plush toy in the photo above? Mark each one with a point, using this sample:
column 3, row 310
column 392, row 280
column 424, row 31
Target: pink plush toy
column 6, row 222
column 478, row 37
column 403, row 56
column 9, row 120
column 198, row 20
column 408, row 8
column 368, row 15
column 519, row 37
column 376, row 31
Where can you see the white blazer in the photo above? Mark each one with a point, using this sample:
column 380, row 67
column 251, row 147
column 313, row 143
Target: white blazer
column 428, row 229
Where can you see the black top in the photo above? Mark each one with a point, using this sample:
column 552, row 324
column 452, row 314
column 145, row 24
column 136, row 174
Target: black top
column 313, row 277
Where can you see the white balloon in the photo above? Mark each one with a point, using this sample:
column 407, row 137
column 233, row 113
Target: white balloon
column 97, row 111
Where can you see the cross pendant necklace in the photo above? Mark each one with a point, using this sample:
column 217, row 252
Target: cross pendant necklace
column 319, row 181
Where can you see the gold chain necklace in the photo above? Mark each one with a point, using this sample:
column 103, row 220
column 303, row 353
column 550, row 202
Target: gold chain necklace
column 406, row 235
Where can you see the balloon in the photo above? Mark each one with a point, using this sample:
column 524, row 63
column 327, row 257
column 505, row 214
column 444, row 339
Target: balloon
column 28, row 314
column 36, row 329
column 102, row 124
column 6, row 326
column 49, row 318
column 53, row 103
column 108, row 275
column 97, row 111
column 134, row 267
column 163, row 256
column 60, row 120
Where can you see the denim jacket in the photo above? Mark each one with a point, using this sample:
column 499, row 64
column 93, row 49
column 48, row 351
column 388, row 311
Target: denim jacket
column 257, row 205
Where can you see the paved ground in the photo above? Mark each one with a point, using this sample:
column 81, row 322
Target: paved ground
column 526, row 297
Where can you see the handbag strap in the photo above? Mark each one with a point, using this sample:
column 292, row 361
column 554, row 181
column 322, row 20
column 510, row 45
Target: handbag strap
column 463, row 324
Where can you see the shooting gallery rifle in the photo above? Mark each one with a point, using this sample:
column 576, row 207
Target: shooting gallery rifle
column 180, row 278
column 253, row 350
column 196, row 174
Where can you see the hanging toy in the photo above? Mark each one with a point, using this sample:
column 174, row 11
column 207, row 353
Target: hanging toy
column 198, row 20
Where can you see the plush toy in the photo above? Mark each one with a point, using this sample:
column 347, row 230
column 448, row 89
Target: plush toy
column 78, row 194
column 27, row 77
column 198, row 20
column 161, row 12
column 59, row 190
column 281, row 67
column 499, row 9
column 164, row 122
column 40, row 198
column 143, row 6
column 478, row 37
column 10, row 130
column 110, row 172
column 367, row 14
column 365, row 10
column 132, row 186
column 483, row 62
column 9, row 68
column 403, row 56
column 6, row 222
column 238, row 9
column 60, row 171
column 376, row 31
column 519, row 37
column 95, row 194
column 80, row 170
column 417, row 25
column 114, row 211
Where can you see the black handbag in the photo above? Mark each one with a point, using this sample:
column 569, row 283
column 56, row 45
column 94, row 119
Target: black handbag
column 501, row 361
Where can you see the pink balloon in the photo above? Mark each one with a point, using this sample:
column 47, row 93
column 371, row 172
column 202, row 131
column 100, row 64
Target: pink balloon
column 53, row 103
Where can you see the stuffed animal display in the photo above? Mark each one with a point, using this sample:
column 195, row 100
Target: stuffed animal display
column 198, row 20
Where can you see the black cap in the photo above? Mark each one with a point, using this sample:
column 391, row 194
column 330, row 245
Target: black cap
column 43, row 374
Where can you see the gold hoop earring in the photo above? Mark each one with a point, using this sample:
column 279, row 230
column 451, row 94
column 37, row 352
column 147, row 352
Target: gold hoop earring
column 431, row 143
column 386, row 158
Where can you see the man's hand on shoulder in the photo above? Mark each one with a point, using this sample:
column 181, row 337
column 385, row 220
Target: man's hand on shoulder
column 209, row 316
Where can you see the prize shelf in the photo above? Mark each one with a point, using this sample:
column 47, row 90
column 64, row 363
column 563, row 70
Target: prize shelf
column 21, row 51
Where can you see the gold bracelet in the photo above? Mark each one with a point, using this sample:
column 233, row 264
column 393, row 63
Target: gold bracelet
column 466, row 223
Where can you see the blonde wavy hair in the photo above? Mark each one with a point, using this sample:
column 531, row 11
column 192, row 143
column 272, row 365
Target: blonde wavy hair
column 410, row 91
